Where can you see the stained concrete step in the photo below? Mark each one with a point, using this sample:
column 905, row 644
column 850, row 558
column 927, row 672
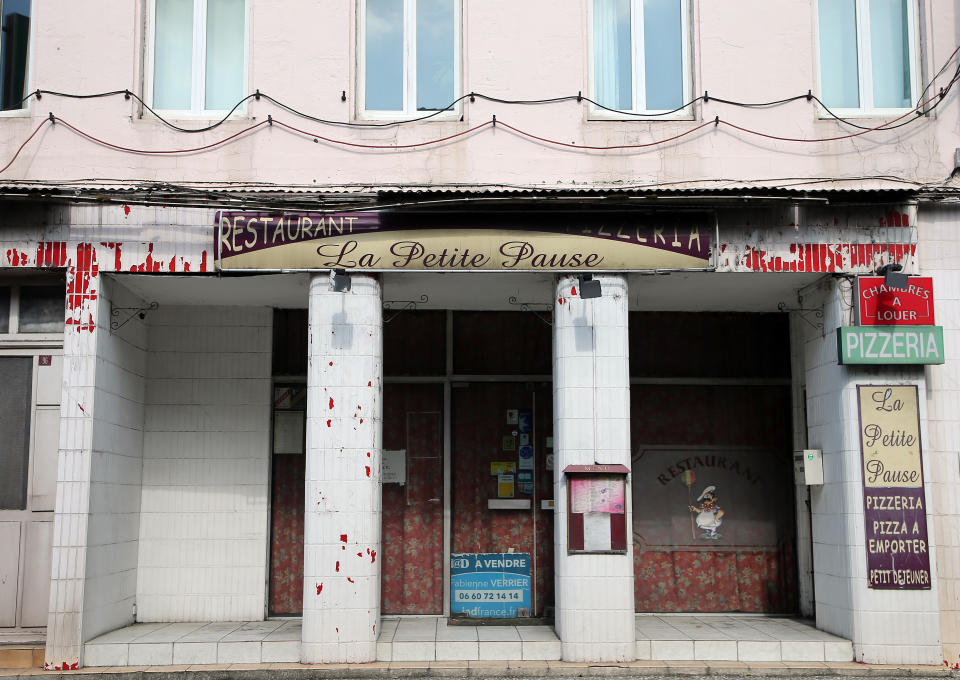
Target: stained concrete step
column 21, row 656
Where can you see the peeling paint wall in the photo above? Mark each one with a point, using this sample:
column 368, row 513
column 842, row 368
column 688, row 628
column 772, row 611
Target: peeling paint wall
column 87, row 240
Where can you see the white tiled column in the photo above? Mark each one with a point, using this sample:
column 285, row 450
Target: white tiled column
column 70, row 523
column 341, row 571
column 885, row 626
column 939, row 249
column 591, row 412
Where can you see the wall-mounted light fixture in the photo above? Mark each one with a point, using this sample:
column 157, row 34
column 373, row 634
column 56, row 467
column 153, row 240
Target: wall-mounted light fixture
column 116, row 323
column 589, row 287
column 339, row 281
column 891, row 279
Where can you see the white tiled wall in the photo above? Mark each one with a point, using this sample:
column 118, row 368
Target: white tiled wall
column 591, row 384
column 885, row 626
column 111, row 574
column 940, row 247
column 203, row 519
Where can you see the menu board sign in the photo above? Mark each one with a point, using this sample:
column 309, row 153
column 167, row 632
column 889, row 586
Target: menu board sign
column 596, row 521
column 898, row 556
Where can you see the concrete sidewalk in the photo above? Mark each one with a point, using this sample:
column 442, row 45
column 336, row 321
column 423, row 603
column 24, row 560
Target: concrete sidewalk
column 489, row 669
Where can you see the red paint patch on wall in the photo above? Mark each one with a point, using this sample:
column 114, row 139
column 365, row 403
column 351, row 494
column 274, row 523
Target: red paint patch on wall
column 329, row 423
column 826, row 257
column 331, row 402
column 65, row 666
column 373, row 556
column 896, row 219
column 126, row 210
column 319, row 588
column 203, row 261
column 351, row 580
column 338, row 566
column 16, row 258
column 343, row 538
column 150, row 264
column 80, row 288
column 116, row 247
column 573, row 290
column 52, row 254
column 368, row 469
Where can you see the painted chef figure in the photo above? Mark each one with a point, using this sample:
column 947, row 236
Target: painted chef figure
column 709, row 514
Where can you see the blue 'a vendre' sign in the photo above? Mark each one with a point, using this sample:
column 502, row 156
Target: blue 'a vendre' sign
column 490, row 585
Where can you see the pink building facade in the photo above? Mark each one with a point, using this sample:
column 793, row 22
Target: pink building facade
column 302, row 357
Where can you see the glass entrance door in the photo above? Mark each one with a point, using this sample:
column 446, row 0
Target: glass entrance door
column 502, row 474
column 412, row 529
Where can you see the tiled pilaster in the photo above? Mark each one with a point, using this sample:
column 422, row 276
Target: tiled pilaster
column 341, row 575
column 885, row 626
column 69, row 550
column 591, row 387
column 939, row 250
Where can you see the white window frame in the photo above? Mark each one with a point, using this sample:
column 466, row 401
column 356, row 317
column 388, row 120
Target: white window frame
column 639, row 74
column 409, row 66
column 865, row 64
column 13, row 334
column 25, row 109
column 199, row 64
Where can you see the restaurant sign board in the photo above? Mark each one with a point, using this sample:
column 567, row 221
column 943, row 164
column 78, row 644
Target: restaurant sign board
column 883, row 306
column 508, row 241
column 890, row 344
column 894, row 504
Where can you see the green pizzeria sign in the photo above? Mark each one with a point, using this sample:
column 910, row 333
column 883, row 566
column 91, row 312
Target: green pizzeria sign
column 890, row 345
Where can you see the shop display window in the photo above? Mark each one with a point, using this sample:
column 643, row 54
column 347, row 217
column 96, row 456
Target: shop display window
column 414, row 342
column 709, row 345
column 501, row 343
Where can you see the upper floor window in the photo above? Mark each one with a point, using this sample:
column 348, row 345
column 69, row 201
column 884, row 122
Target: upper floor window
column 868, row 55
column 198, row 55
column 640, row 55
column 14, row 49
column 31, row 309
column 409, row 56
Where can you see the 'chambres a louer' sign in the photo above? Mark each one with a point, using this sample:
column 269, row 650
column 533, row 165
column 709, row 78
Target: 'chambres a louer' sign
column 508, row 241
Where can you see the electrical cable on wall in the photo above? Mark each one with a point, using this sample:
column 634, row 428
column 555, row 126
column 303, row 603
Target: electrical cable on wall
column 471, row 96
column 912, row 115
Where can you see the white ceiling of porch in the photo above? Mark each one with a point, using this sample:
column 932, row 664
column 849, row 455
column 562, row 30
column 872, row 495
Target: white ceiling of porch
column 686, row 291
